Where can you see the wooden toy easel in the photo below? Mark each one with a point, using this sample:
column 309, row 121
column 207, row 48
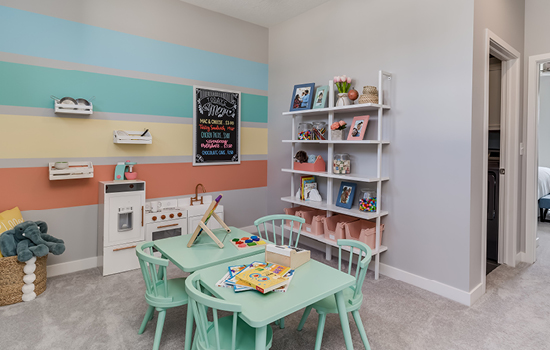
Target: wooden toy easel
column 202, row 224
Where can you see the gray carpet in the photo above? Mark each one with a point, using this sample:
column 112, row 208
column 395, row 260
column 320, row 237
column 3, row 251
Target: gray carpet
column 87, row 311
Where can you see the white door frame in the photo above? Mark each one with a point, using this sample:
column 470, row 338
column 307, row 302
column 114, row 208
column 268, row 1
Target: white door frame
column 532, row 156
column 510, row 113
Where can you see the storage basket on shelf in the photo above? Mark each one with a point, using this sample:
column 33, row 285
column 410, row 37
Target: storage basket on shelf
column 11, row 279
column 364, row 231
column 314, row 221
column 334, row 226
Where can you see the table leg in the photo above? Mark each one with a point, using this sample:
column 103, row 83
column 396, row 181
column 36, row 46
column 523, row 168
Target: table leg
column 261, row 337
column 189, row 327
column 343, row 319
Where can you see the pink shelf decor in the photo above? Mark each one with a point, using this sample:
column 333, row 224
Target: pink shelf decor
column 318, row 166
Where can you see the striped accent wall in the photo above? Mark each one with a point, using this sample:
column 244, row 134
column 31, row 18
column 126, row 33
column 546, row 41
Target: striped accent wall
column 136, row 83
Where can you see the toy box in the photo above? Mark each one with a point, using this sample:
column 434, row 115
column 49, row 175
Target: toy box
column 364, row 231
column 334, row 226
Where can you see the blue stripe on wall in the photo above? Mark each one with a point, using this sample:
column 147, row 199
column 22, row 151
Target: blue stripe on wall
column 32, row 34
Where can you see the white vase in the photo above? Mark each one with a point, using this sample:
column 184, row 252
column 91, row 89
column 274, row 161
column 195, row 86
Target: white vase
column 343, row 100
column 337, row 135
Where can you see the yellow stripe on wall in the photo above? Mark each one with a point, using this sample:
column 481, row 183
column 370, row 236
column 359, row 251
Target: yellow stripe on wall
column 44, row 137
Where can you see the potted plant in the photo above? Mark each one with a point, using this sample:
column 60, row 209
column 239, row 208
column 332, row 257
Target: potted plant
column 337, row 130
column 343, row 84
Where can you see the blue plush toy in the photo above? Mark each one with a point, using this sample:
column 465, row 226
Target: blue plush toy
column 311, row 158
column 29, row 239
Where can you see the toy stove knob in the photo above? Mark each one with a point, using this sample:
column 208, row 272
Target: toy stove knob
column 180, row 214
column 163, row 217
column 154, row 218
column 171, row 216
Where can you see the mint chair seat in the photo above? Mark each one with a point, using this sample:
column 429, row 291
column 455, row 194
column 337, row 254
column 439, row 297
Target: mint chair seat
column 353, row 296
column 278, row 235
column 225, row 333
column 161, row 293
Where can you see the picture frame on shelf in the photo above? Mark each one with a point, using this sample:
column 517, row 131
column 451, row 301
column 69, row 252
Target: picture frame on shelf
column 346, row 194
column 321, row 97
column 302, row 98
column 358, row 128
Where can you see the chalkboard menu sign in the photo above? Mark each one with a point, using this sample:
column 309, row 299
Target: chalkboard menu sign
column 216, row 126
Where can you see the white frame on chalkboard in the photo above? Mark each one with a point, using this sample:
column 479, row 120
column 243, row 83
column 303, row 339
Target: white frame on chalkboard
column 195, row 87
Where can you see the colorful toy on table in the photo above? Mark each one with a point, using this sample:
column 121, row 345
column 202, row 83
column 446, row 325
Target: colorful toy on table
column 367, row 204
column 247, row 242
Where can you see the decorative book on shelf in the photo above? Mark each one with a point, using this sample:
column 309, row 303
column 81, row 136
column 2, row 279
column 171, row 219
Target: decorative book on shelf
column 318, row 166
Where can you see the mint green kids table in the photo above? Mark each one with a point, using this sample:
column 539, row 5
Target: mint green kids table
column 312, row 282
column 204, row 252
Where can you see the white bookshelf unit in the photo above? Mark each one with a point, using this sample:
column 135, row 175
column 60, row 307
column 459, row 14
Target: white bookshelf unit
column 328, row 204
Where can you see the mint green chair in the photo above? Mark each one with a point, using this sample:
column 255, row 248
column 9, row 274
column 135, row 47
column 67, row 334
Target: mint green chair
column 161, row 293
column 225, row 333
column 353, row 296
column 275, row 220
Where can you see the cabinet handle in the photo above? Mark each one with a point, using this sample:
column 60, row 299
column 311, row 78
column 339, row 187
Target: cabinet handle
column 142, row 216
column 167, row 226
column 117, row 249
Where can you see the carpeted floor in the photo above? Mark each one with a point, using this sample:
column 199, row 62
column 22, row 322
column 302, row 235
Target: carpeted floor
column 87, row 311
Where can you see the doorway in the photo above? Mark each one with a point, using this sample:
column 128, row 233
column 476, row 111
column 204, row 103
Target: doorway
column 509, row 155
column 535, row 180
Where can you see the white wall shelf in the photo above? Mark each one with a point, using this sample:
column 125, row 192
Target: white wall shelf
column 350, row 108
column 350, row 177
column 361, row 142
column 132, row 137
column 61, row 108
column 75, row 170
column 327, row 204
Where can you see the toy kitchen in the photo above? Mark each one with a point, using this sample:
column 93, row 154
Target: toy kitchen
column 125, row 219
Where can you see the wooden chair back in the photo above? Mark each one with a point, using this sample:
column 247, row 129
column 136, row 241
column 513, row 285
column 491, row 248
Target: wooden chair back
column 275, row 220
column 364, row 255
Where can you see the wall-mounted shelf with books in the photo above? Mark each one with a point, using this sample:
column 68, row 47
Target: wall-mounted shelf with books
column 328, row 202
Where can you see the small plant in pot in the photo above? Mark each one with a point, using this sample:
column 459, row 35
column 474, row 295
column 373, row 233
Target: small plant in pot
column 337, row 130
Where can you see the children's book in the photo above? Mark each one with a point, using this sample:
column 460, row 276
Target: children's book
column 241, row 286
column 308, row 187
column 304, row 180
column 262, row 279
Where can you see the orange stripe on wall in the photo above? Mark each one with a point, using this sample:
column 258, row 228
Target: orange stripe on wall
column 31, row 189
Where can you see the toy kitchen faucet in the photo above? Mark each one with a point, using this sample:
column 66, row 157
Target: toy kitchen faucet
column 122, row 174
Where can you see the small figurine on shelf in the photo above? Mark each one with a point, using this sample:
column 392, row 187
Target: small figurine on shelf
column 301, row 156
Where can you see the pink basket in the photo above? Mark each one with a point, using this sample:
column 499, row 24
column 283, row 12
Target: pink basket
column 319, row 165
column 334, row 226
column 364, row 231
column 314, row 221
column 294, row 211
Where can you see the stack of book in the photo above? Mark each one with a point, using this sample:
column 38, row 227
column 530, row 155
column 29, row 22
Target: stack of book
column 308, row 184
column 259, row 276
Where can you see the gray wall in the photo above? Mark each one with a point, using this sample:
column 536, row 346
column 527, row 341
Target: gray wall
column 544, row 122
column 427, row 45
column 505, row 18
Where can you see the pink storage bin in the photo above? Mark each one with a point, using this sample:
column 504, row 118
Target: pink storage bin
column 319, row 165
column 364, row 231
column 294, row 211
column 334, row 226
column 314, row 221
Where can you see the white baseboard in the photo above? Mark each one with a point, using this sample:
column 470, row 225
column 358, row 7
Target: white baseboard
column 521, row 257
column 71, row 266
column 466, row 298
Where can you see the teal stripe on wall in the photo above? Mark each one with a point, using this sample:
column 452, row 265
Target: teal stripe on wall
column 31, row 86
column 32, row 34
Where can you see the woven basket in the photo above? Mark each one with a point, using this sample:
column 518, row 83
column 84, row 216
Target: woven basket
column 11, row 279
column 370, row 95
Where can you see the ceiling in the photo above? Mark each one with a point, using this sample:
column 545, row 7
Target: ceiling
column 265, row 13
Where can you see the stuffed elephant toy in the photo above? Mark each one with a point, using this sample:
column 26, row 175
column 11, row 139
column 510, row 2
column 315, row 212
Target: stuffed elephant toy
column 30, row 239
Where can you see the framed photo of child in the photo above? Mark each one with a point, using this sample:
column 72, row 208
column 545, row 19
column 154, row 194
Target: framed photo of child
column 320, row 100
column 302, row 97
column 358, row 127
column 346, row 194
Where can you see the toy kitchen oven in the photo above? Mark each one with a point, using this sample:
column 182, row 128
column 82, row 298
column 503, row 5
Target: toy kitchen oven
column 164, row 219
